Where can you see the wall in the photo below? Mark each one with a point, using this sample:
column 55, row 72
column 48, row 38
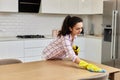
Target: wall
column 96, row 21
column 12, row 24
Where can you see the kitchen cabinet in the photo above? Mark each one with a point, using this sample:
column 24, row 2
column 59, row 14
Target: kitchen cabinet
column 80, row 42
column 12, row 49
column 25, row 50
column 34, row 48
column 90, row 6
column 59, row 6
column 93, row 48
column 97, row 6
column 90, row 48
column 8, row 5
column 50, row 6
column 69, row 6
column 85, row 7
column 72, row 6
column 29, row 50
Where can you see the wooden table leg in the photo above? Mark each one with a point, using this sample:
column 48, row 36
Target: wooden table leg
column 114, row 76
column 117, row 76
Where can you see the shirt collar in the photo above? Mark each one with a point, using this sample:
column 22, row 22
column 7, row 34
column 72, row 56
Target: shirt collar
column 70, row 36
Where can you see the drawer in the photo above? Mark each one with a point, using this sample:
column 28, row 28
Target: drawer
column 33, row 51
column 11, row 49
column 37, row 43
column 31, row 59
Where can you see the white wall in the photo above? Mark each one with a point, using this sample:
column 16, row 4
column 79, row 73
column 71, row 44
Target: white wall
column 12, row 24
column 97, row 21
column 24, row 23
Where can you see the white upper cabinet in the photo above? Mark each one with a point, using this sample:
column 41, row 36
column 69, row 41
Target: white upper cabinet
column 8, row 5
column 59, row 6
column 90, row 6
column 85, row 6
column 69, row 6
column 72, row 6
column 97, row 7
column 50, row 6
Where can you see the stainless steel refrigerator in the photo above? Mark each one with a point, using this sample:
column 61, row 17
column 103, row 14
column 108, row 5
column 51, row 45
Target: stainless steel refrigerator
column 111, row 31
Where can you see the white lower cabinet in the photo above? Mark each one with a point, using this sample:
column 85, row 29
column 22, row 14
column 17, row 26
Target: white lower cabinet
column 90, row 48
column 80, row 42
column 31, row 49
column 32, row 58
column 24, row 50
column 12, row 49
column 34, row 48
column 93, row 49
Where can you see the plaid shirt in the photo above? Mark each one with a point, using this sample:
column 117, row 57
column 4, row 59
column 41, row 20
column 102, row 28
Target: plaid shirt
column 60, row 48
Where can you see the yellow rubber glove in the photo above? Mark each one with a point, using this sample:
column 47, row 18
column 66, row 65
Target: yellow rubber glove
column 76, row 49
column 83, row 64
column 90, row 67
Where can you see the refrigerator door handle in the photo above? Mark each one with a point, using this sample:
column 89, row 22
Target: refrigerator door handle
column 112, row 40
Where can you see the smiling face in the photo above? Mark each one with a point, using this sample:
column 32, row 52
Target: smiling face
column 77, row 29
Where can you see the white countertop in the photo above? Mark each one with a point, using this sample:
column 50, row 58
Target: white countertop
column 13, row 38
column 91, row 36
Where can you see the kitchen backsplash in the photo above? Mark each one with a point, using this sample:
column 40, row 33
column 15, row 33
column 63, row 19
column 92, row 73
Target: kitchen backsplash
column 96, row 22
column 12, row 24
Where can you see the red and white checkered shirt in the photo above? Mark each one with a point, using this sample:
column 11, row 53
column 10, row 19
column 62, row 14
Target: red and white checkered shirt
column 60, row 48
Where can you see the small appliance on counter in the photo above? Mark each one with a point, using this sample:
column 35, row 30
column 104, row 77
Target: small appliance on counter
column 55, row 33
column 92, row 29
column 30, row 36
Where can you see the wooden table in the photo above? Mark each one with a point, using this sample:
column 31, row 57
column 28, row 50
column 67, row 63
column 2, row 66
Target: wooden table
column 50, row 70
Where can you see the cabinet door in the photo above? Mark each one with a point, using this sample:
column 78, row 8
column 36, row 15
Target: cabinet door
column 37, row 43
column 33, row 58
column 93, row 49
column 8, row 5
column 85, row 6
column 50, row 6
column 11, row 49
column 72, row 6
column 69, row 6
column 81, row 55
column 33, row 51
column 97, row 6
column 34, row 48
column 80, row 42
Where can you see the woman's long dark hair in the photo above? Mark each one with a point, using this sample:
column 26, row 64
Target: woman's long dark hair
column 68, row 22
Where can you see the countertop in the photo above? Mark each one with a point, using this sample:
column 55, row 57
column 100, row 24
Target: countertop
column 13, row 38
column 51, row 70
column 91, row 36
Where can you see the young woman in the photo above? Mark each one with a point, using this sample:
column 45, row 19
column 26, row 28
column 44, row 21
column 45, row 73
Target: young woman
column 61, row 47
